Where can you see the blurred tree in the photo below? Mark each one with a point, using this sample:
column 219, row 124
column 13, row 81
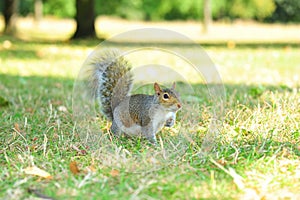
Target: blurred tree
column 59, row 8
column 10, row 15
column 286, row 11
column 250, row 9
column 38, row 10
column 26, row 7
column 207, row 15
column 85, row 19
column 109, row 8
column 262, row 10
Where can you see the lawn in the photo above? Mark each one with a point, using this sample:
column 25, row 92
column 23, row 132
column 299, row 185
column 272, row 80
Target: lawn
column 256, row 155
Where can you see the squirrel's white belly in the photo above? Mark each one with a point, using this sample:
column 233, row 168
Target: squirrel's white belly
column 127, row 125
column 170, row 115
column 157, row 123
column 160, row 119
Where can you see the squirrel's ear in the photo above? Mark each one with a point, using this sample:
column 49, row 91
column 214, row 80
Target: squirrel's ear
column 157, row 88
column 173, row 85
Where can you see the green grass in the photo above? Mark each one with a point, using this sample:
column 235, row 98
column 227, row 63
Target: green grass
column 257, row 154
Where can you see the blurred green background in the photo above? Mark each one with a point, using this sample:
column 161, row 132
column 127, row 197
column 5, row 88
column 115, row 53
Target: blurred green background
column 255, row 45
column 266, row 10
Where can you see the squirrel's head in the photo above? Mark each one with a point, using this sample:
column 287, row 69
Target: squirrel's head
column 168, row 97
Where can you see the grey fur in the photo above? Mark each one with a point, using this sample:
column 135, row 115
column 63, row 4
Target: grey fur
column 110, row 82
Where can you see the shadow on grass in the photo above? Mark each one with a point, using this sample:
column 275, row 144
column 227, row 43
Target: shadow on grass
column 239, row 93
column 252, row 45
column 93, row 42
column 18, row 54
column 90, row 42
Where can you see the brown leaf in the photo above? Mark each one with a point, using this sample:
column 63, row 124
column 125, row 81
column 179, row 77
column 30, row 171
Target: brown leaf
column 40, row 53
column 58, row 85
column 56, row 102
column 17, row 127
column 29, row 110
column 74, row 168
column 114, row 173
column 37, row 172
column 222, row 162
column 92, row 168
column 231, row 44
column 79, row 151
column 33, row 147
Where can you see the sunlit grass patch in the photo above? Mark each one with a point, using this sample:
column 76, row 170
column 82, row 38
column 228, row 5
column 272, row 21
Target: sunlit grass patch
column 256, row 155
column 230, row 34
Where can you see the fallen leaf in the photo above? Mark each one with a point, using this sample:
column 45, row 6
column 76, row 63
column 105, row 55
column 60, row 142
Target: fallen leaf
column 222, row 162
column 58, row 85
column 92, row 168
column 231, row 44
column 7, row 44
column 74, row 168
column 79, row 151
column 83, row 152
column 89, row 169
column 33, row 147
column 40, row 54
column 62, row 108
column 56, row 102
column 114, row 173
column 29, row 110
column 17, row 127
column 287, row 48
column 34, row 170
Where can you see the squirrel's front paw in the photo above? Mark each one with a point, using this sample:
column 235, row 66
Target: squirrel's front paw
column 170, row 122
column 152, row 140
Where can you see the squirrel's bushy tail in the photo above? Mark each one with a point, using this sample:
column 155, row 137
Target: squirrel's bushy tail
column 109, row 79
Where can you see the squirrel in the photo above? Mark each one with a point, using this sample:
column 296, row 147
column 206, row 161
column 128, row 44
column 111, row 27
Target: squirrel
column 110, row 82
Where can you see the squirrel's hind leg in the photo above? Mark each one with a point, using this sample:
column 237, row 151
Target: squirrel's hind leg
column 115, row 129
column 149, row 134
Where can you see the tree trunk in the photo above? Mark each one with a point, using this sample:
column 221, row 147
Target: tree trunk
column 38, row 10
column 10, row 16
column 207, row 15
column 85, row 19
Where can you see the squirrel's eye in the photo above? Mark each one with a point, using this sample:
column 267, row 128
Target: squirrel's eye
column 166, row 96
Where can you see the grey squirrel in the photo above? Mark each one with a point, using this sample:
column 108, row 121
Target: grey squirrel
column 110, row 82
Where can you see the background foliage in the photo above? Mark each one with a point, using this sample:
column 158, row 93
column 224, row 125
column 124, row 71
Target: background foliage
column 267, row 10
column 286, row 10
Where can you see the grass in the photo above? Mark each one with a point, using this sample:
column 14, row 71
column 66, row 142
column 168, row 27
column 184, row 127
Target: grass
column 256, row 156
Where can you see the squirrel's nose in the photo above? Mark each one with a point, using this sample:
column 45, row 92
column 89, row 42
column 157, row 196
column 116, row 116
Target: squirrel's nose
column 178, row 105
